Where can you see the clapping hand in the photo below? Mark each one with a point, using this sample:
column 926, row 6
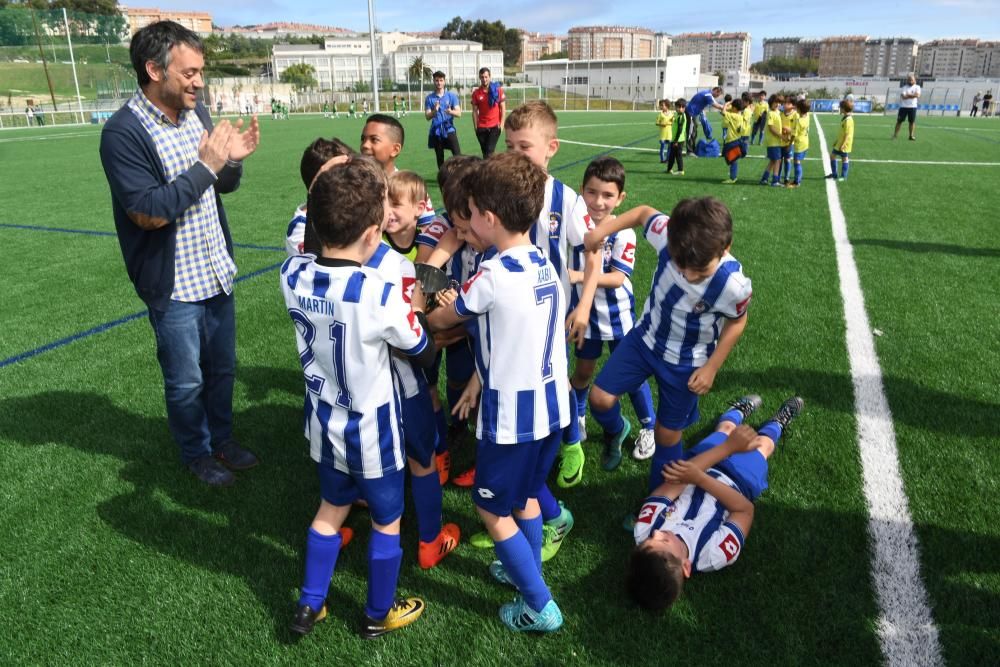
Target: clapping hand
column 244, row 143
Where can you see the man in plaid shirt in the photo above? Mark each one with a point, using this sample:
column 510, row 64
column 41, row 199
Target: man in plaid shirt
column 166, row 166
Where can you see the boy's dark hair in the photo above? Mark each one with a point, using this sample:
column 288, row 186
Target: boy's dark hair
column 763, row 93
column 154, row 43
column 803, row 106
column 737, row 104
column 775, row 99
column 317, row 154
column 510, row 186
column 347, row 200
column 728, row 98
column 745, row 96
column 847, row 106
column 438, row 75
column 454, row 186
column 653, row 579
column 485, row 69
column 700, row 231
column 396, row 132
column 681, row 102
column 665, row 102
column 606, row 169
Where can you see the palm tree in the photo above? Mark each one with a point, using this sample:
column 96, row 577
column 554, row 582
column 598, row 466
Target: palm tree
column 419, row 70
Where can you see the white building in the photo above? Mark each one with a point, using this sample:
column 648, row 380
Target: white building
column 719, row 51
column 343, row 61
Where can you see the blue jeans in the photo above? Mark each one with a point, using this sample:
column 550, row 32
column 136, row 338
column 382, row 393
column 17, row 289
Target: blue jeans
column 196, row 348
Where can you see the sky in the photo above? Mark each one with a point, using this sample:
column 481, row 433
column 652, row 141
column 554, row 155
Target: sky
column 921, row 19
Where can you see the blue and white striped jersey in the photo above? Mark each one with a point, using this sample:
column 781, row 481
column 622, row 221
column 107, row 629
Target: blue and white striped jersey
column 346, row 318
column 613, row 313
column 560, row 228
column 395, row 269
column 520, row 346
column 682, row 321
column 700, row 520
column 295, row 237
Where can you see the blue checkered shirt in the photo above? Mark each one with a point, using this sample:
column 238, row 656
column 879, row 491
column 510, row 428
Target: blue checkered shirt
column 202, row 265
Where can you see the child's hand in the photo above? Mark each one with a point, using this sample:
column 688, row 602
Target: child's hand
column 575, row 277
column 742, row 438
column 681, row 472
column 593, row 240
column 417, row 299
column 469, row 399
column 446, row 298
column 701, row 380
column 576, row 326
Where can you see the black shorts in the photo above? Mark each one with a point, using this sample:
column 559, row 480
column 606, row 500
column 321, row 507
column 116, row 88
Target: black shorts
column 909, row 115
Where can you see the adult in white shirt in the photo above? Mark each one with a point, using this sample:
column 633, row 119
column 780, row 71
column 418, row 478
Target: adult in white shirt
column 909, row 98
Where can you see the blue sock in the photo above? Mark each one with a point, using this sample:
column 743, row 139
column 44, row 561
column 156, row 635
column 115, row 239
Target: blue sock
column 788, row 168
column 571, row 434
column 733, row 415
column 763, row 178
column 662, row 456
column 442, row 428
column 426, row 492
column 532, row 530
column 548, row 503
column 775, row 178
column 610, row 420
column 772, row 430
column 714, row 439
column 384, row 557
column 844, row 167
column 519, row 563
column 733, row 168
column 833, row 166
column 798, row 172
column 663, row 151
column 581, row 400
column 321, row 559
column 642, row 403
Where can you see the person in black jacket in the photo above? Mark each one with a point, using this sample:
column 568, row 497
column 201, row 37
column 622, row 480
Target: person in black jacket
column 166, row 166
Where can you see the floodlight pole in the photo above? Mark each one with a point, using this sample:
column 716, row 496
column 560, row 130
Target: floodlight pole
column 371, row 39
column 72, row 60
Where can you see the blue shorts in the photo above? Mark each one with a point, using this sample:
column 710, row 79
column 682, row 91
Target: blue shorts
column 633, row 362
column 507, row 475
column 800, row 156
column 747, row 469
column 774, row 152
column 840, row 153
column 384, row 494
column 592, row 348
column 420, row 434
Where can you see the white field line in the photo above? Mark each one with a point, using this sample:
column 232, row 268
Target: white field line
column 51, row 137
column 906, row 628
column 574, row 127
column 760, row 157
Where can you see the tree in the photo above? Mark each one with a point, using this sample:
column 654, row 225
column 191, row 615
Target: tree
column 493, row 35
column 783, row 65
column 556, row 55
column 300, row 75
column 419, row 70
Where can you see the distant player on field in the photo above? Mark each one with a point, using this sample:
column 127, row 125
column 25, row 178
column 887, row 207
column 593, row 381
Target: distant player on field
column 699, row 517
column 844, row 143
column 346, row 318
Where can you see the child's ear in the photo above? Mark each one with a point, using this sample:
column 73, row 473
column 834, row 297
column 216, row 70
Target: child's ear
column 621, row 198
column 686, row 568
column 396, row 150
column 552, row 149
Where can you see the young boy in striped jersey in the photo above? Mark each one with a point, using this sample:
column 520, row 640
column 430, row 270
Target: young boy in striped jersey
column 844, row 143
column 518, row 302
column 800, row 139
column 346, row 318
column 315, row 156
column 613, row 313
column 694, row 316
column 698, row 519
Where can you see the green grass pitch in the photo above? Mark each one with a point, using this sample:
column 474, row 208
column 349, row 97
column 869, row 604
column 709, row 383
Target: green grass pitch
column 111, row 553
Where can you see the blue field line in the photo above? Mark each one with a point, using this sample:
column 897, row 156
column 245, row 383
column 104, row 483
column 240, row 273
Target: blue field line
column 134, row 316
column 101, row 328
column 90, row 232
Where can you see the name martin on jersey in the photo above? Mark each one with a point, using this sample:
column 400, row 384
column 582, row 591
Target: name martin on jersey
column 314, row 305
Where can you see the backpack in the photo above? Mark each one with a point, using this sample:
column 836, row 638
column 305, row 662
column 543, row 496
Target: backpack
column 707, row 148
